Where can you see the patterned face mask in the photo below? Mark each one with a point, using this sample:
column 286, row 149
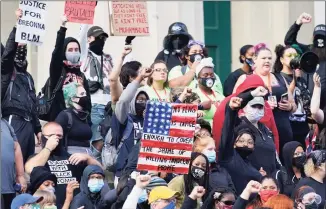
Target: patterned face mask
column 197, row 172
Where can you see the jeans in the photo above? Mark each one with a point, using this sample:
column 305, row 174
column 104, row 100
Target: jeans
column 97, row 115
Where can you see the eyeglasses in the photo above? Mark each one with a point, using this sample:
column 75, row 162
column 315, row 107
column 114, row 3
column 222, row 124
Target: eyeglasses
column 161, row 70
column 241, row 141
column 291, row 55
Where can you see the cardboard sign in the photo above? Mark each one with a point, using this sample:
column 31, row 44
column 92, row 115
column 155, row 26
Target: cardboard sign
column 80, row 11
column 167, row 138
column 31, row 26
column 129, row 18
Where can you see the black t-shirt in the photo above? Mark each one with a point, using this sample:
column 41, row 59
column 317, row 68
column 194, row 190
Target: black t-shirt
column 320, row 188
column 231, row 81
column 80, row 132
column 65, row 172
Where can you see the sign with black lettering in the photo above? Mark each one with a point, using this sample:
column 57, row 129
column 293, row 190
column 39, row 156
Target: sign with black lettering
column 31, row 26
column 167, row 138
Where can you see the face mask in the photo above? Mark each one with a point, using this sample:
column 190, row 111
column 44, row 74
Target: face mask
column 197, row 172
column 143, row 197
column 140, row 107
column 254, row 114
column 73, row 57
column 195, row 58
column 207, row 82
column 50, row 189
column 171, row 205
column 211, row 155
column 20, row 57
column 50, row 207
column 97, row 46
column 34, row 206
column 82, row 101
column 244, row 152
column 249, row 62
column 95, row 185
column 299, row 161
column 319, row 41
column 314, row 205
column 266, row 194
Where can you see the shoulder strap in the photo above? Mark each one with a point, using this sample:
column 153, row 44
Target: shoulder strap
column 68, row 127
column 12, row 79
column 184, row 69
column 58, row 86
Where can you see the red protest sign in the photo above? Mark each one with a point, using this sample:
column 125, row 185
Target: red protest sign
column 167, row 139
column 80, row 11
column 129, row 18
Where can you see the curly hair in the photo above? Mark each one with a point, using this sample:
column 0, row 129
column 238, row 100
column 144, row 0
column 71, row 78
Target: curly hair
column 279, row 51
column 69, row 92
column 129, row 70
column 185, row 52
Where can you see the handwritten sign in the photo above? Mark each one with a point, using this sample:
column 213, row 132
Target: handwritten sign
column 31, row 26
column 129, row 18
column 167, row 138
column 80, row 11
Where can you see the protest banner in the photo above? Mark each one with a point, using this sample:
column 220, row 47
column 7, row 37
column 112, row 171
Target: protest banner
column 80, row 11
column 167, row 138
column 129, row 18
column 31, row 26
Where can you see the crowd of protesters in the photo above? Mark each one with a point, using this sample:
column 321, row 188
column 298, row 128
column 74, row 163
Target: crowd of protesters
column 260, row 139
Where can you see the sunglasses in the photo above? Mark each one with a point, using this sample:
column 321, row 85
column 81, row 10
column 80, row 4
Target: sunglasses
column 228, row 202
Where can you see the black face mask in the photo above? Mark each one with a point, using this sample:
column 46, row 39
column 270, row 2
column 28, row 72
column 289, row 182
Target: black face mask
column 207, row 82
column 314, row 205
column 195, row 58
column 197, row 172
column 319, row 41
column 299, row 161
column 58, row 151
column 20, row 57
column 83, row 102
column 244, row 152
column 177, row 44
column 140, row 107
column 249, row 62
column 97, row 46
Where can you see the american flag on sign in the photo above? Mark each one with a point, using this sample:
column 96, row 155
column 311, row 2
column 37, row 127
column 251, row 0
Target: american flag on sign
column 167, row 138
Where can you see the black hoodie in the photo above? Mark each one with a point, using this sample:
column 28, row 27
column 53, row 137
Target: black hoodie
column 100, row 200
column 39, row 175
column 58, row 69
column 285, row 177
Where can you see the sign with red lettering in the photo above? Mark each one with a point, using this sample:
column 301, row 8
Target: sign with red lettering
column 80, row 11
column 129, row 18
column 167, row 138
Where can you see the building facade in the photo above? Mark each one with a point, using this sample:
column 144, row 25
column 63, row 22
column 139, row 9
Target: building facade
column 223, row 26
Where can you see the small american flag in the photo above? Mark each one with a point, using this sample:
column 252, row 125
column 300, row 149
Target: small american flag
column 167, row 138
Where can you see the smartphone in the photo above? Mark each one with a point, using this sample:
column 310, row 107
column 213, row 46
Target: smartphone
column 284, row 97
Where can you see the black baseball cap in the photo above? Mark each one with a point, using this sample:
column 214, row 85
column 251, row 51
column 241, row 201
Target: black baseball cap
column 96, row 31
column 320, row 30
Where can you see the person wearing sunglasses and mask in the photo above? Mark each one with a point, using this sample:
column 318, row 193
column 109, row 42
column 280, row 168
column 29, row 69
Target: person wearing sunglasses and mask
column 307, row 198
column 220, row 198
column 157, row 86
column 185, row 74
column 246, row 54
column 74, row 120
column 292, row 170
column 206, row 79
column 18, row 96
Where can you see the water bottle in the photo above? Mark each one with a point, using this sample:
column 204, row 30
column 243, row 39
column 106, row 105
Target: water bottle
column 18, row 188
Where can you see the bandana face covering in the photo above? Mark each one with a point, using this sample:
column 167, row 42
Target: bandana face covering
column 20, row 57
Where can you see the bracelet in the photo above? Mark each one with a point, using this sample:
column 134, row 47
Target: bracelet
column 48, row 149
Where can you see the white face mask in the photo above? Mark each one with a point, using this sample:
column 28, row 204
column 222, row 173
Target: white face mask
column 50, row 189
column 73, row 57
column 253, row 114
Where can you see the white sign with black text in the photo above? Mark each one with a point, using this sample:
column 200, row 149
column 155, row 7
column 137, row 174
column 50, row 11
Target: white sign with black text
column 31, row 26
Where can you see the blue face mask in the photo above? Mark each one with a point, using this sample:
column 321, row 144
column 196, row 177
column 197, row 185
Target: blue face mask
column 171, row 205
column 143, row 197
column 211, row 155
column 95, row 185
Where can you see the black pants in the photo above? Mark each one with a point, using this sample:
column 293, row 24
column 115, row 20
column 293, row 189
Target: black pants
column 6, row 200
column 25, row 133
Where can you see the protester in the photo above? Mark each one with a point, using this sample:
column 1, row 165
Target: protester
column 127, row 127
column 218, row 177
column 26, row 201
column 236, row 147
column 264, row 155
column 191, row 201
column 220, row 198
column 306, row 197
column 163, row 197
column 276, row 87
column 315, row 169
column 157, row 86
column 53, row 156
column 289, row 175
column 19, row 111
column 41, row 178
column 64, row 69
column 198, row 175
column 206, row 79
column 74, row 120
column 317, row 114
column 205, row 129
column 279, row 201
column 48, row 201
column 302, row 97
column 12, row 165
column 92, row 191
column 177, row 38
column 246, row 54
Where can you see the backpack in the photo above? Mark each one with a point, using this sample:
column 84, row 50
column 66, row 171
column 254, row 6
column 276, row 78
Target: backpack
column 105, row 124
column 45, row 98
